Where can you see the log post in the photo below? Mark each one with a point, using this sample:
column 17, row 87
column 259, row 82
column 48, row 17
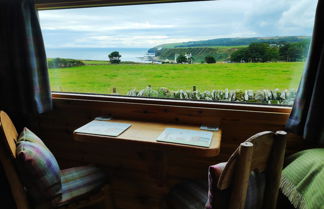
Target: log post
column 241, row 177
column 273, row 172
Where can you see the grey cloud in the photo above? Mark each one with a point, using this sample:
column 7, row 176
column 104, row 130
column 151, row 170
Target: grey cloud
column 268, row 17
column 177, row 21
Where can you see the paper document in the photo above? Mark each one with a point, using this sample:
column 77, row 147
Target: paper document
column 184, row 136
column 106, row 128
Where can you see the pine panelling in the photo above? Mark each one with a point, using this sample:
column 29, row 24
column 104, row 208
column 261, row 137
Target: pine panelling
column 140, row 176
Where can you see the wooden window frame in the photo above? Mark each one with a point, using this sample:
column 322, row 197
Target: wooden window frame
column 173, row 102
column 64, row 4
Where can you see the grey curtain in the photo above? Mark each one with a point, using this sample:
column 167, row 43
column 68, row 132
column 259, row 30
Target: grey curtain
column 24, row 84
column 307, row 116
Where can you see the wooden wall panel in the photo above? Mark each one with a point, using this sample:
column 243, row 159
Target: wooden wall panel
column 141, row 177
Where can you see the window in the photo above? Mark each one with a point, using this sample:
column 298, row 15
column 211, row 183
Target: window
column 222, row 51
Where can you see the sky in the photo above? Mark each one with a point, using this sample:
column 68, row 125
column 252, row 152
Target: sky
column 146, row 26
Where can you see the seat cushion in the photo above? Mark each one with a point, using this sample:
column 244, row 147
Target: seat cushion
column 38, row 169
column 188, row 195
column 200, row 195
column 80, row 181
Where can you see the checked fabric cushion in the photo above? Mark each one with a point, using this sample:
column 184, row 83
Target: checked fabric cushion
column 39, row 169
column 79, row 181
column 49, row 186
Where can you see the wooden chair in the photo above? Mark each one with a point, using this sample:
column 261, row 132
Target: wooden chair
column 262, row 153
column 8, row 139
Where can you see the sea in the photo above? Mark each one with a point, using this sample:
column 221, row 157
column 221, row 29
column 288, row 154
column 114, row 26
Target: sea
column 127, row 54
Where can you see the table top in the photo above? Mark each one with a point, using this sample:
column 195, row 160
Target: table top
column 145, row 134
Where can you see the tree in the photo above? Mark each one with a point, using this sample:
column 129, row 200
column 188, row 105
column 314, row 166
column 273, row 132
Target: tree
column 272, row 53
column 283, row 52
column 256, row 52
column 261, row 52
column 114, row 57
column 241, row 55
column 210, row 59
column 292, row 52
column 182, row 59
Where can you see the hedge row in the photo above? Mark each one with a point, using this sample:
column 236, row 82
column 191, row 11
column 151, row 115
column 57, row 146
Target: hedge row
column 60, row 63
column 282, row 97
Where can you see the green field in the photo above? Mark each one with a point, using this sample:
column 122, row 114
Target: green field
column 124, row 77
column 95, row 62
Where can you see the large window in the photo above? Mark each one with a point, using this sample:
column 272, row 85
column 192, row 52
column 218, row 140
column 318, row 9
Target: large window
column 228, row 50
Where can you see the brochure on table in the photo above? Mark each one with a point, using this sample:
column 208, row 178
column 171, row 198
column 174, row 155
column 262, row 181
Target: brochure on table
column 188, row 137
column 105, row 128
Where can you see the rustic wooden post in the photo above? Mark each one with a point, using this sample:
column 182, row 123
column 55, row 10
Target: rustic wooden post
column 241, row 179
column 274, row 170
column 114, row 90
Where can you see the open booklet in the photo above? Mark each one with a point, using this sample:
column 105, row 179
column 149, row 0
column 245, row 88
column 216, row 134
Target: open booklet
column 184, row 136
column 105, row 128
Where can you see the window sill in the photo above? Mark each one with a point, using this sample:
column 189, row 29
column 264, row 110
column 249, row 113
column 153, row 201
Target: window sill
column 171, row 102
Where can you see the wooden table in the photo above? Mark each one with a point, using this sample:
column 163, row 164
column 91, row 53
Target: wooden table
column 144, row 134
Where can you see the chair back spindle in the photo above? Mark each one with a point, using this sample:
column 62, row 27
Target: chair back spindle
column 241, row 181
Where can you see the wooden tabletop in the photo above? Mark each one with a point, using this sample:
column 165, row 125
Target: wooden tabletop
column 144, row 134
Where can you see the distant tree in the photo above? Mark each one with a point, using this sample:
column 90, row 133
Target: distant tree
column 263, row 52
column 272, row 53
column 210, row 59
column 240, row 55
column 283, row 52
column 62, row 62
column 256, row 52
column 182, row 59
column 114, row 57
column 291, row 52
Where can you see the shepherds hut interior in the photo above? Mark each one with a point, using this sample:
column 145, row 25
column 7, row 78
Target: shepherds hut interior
column 161, row 104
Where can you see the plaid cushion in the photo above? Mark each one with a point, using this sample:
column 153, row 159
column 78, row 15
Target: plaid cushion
column 39, row 171
column 79, row 181
column 29, row 136
column 188, row 195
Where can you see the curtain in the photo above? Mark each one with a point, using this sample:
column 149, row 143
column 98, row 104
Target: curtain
column 24, row 84
column 307, row 116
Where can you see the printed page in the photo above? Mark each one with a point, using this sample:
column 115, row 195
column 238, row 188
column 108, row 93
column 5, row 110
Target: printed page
column 184, row 136
column 106, row 128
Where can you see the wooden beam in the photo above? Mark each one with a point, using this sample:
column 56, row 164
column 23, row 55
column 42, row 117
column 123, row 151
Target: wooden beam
column 64, row 4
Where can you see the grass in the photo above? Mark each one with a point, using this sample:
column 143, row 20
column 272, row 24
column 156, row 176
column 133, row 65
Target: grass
column 102, row 78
